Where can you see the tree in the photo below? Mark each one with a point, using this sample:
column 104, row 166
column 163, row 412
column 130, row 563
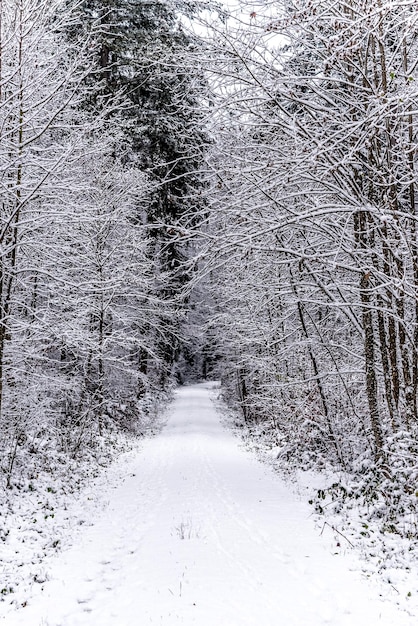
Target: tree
column 77, row 287
column 144, row 54
column 39, row 81
column 323, row 197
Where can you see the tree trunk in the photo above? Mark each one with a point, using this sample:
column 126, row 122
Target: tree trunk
column 360, row 226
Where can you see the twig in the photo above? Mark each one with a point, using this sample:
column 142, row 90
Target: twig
column 336, row 531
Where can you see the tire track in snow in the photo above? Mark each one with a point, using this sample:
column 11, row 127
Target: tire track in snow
column 248, row 533
column 237, row 517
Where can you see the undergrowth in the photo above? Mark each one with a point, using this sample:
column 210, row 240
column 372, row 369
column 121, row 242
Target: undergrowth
column 44, row 491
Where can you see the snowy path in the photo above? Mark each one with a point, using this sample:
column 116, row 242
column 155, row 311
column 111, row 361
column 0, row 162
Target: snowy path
column 201, row 533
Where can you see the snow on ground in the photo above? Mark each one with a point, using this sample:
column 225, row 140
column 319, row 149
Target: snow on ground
column 199, row 532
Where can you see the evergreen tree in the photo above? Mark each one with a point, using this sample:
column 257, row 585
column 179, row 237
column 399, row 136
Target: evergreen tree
column 143, row 60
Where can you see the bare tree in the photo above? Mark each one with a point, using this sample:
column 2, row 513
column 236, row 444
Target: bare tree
column 315, row 187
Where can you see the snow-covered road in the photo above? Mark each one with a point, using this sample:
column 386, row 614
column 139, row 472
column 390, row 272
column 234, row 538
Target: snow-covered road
column 201, row 533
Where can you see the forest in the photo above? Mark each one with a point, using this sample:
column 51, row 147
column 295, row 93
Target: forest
column 191, row 191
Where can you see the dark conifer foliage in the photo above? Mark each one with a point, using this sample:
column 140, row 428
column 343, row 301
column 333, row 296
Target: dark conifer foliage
column 143, row 63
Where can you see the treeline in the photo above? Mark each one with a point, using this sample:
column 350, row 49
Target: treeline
column 312, row 236
column 304, row 116
column 100, row 147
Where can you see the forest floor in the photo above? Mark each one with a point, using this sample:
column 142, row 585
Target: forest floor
column 190, row 528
